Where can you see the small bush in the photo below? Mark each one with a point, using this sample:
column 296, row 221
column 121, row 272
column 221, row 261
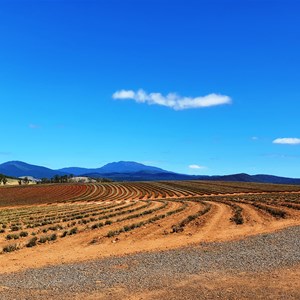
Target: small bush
column 12, row 236
column 10, row 248
column 112, row 233
column 54, row 228
column 43, row 239
column 237, row 218
column 126, row 228
column 15, row 228
column 177, row 228
column 23, row 233
column 97, row 225
column 73, row 231
column 53, row 237
column 65, row 233
column 32, row 242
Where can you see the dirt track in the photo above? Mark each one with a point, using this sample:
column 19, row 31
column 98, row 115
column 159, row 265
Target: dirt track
column 260, row 267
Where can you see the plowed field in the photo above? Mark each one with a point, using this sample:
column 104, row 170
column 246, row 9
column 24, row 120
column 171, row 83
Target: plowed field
column 52, row 224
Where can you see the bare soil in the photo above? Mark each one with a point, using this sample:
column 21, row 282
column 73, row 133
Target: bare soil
column 254, row 260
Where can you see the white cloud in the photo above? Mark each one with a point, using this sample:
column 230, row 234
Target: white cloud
column 196, row 167
column 287, row 141
column 123, row 94
column 172, row 100
column 254, row 138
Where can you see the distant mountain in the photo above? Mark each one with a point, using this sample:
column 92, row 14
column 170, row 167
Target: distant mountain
column 242, row 177
column 131, row 171
column 19, row 168
column 115, row 167
column 75, row 170
column 129, row 167
column 141, row 176
column 276, row 179
column 150, row 176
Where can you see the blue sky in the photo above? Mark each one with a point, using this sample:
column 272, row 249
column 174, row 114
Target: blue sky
column 70, row 72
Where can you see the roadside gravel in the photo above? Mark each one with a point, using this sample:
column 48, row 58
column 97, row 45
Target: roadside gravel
column 146, row 272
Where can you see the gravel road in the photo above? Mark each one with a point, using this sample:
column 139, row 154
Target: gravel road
column 147, row 273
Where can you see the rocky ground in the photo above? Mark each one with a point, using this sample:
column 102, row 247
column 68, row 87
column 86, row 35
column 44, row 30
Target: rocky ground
column 263, row 266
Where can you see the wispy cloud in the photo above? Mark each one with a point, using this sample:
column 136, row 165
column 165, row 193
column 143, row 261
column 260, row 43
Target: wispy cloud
column 152, row 162
column 254, row 138
column 196, row 167
column 287, row 141
column 4, row 153
column 60, row 126
column 172, row 100
column 34, row 126
column 279, row 155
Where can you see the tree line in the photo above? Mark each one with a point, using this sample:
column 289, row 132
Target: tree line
column 57, row 179
column 54, row 179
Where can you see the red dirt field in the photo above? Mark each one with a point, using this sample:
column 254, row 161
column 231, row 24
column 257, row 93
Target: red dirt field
column 46, row 225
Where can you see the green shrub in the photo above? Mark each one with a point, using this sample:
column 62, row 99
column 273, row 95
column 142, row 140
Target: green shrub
column 32, row 242
column 73, row 231
column 112, row 233
column 12, row 236
column 65, row 233
column 53, row 237
column 177, row 228
column 10, row 248
column 15, row 228
column 43, row 239
column 97, row 225
column 126, row 228
column 23, row 233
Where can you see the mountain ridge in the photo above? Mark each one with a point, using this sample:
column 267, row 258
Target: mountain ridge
column 121, row 166
column 132, row 171
column 19, row 168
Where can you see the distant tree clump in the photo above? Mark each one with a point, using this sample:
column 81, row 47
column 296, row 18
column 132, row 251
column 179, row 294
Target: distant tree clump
column 104, row 180
column 3, row 179
column 57, row 179
column 26, row 180
column 60, row 179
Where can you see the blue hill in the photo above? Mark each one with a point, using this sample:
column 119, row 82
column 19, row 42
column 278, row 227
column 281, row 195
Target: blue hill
column 19, row 168
column 131, row 171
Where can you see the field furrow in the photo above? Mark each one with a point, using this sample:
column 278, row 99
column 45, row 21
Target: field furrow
column 140, row 213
